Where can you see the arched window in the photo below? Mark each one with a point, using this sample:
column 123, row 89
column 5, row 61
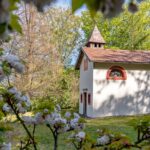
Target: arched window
column 116, row 73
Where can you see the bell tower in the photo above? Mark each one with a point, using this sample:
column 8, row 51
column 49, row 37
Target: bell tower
column 96, row 40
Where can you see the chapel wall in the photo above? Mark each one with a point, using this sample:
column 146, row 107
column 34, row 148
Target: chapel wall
column 86, row 85
column 121, row 97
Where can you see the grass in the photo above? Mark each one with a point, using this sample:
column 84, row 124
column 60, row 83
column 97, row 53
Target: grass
column 44, row 137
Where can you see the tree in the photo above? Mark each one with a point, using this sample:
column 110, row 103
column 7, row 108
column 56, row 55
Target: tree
column 127, row 31
column 10, row 22
column 109, row 8
column 46, row 49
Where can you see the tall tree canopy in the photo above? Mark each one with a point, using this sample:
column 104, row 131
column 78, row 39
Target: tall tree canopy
column 9, row 21
column 46, row 49
column 127, row 31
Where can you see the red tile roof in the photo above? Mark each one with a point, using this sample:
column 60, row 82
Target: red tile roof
column 110, row 56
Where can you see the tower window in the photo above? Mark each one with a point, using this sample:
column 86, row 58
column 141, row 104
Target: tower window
column 116, row 73
column 95, row 45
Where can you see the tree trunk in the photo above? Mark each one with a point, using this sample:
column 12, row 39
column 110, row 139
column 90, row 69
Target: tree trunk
column 56, row 142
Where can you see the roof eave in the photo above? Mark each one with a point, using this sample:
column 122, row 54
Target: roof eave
column 97, row 61
column 79, row 60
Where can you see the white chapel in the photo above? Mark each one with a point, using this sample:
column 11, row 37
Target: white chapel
column 112, row 82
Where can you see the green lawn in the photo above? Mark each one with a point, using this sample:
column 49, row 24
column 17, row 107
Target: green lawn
column 44, row 137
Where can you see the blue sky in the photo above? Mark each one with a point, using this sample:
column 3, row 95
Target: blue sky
column 67, row 4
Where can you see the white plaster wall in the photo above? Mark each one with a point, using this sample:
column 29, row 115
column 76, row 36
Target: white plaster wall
column 86, row 82
column 129, row 97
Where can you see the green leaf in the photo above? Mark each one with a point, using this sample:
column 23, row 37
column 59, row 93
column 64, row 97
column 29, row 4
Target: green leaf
column 14, row 23
column 13, row 5
column 93, row 6
column 76, row 4
column 2, row 28
column 1, row 51
column 6, row 68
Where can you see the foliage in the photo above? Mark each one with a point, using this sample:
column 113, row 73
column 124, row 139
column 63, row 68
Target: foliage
column 41, row 104
column 80, row 140
column 10, row 22
column 143, row 129
column 47, row 54
column 58, row 124
column 18, row 103
column 14, row 101
column 127, row 31
column 109, row 8
column 112, row 141
column 3, row 129
column 68, row 84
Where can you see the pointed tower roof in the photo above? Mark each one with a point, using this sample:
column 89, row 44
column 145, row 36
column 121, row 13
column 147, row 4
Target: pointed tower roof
column 96, row 36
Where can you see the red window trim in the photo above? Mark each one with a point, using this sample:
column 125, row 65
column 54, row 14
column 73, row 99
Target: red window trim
column 116, row 78
column 89, row 99
column 85, row 63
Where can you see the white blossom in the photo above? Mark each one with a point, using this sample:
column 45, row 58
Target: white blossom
column 76, row 115
column 74, row 123
column 56, row 121
column 67, row 114
column 60, row 121
column 13, row 90
column 47, row 118
column 58, row 108
column 46, row 111
column 14, row 62
column 81, row 135
column 103, row 140
column 21, row 109
column 18, row 67
column 26, row 99
column 6, row 108
column 19, row 97
column 38, row 118
column 63, row 129
column 55, row 115
column 5, row 146
column 66, row 128
column 28, row 120
column 10, row 58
